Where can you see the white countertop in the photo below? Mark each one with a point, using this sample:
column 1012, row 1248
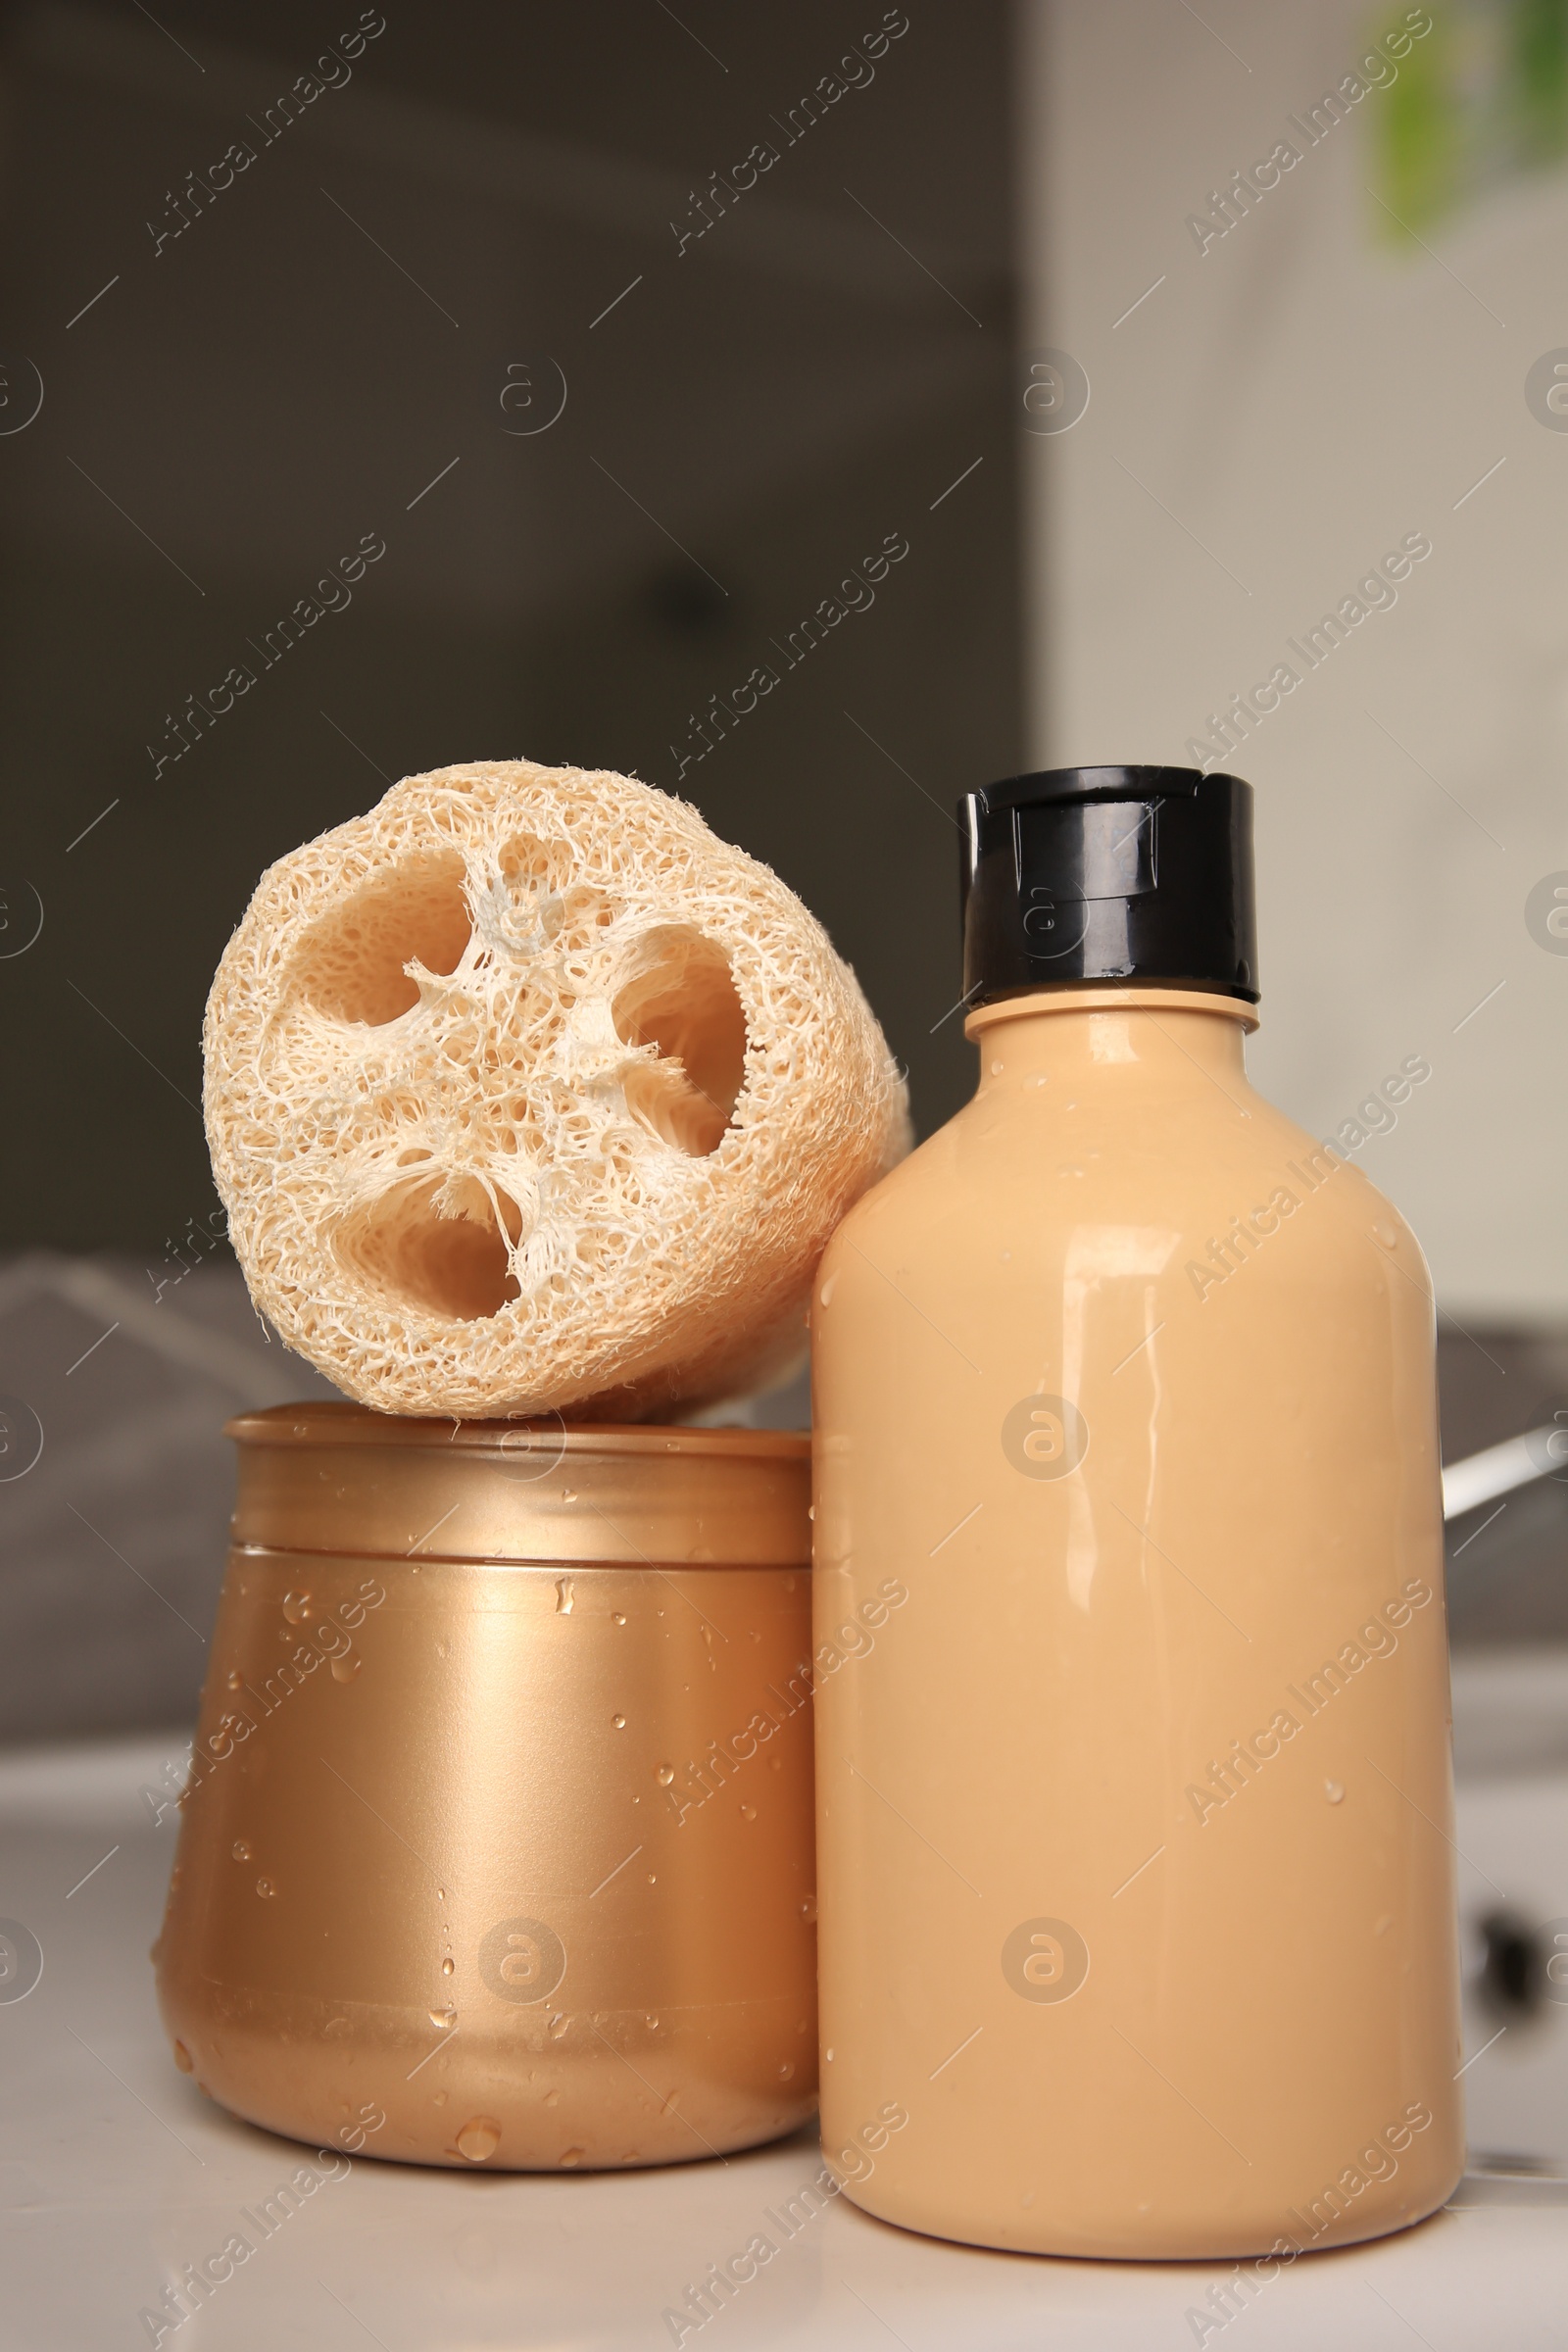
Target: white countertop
column 115, row 2172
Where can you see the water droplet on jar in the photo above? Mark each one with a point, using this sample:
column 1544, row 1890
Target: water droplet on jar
column 618, row 1616
column 265, row 1886
column 824, row 1297
column 828, row 2055
column 620, row 1722
column 568, row 1493
column 242, row 1852
column 438, row 2098
column 234, row 1679
column 652, row 2023
column 1333, row 1790
column 1385, row 1234
column 183, row 2059
column 786, row 2069
column 558, row 2026
column 571, row 2157
column 563, row 1597
column 808, row 1907
column 442, row 2016
column 479, row 2139
column 747, row 1812
column 664, row 1774
column 296, row 1607
column 653, row 1879
column 551, row 2098
column 448, row 1966
column 997, row 1068
column 344, row 1668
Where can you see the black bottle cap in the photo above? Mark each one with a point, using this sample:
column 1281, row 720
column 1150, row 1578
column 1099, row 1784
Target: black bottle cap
column 1142, row 875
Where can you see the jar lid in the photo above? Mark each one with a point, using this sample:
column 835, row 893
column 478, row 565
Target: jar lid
column 339, row 1478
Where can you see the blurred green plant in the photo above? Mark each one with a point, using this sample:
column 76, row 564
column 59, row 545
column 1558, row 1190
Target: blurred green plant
column 1481, row 101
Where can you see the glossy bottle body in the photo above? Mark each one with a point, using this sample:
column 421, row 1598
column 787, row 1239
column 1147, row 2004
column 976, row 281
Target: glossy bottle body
column 1136, row 1890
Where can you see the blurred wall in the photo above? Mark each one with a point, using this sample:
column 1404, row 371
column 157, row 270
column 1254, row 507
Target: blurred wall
column 497, row 297
column 491, row 295
column 1346, row 356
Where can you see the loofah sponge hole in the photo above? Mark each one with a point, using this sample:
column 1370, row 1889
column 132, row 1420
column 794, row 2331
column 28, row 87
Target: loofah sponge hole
column 440, row 1242
column 681, row 999
column 350, row 966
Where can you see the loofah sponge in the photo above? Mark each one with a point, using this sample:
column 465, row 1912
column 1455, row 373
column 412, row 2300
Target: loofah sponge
column 524, row 1091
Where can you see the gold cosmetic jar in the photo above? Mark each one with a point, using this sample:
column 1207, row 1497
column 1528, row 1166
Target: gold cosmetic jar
column 496, row 1846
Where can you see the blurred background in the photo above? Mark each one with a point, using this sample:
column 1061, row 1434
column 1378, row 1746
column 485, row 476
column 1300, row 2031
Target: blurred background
column 1156, row 333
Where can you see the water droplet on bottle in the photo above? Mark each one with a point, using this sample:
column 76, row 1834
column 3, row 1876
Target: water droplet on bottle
column 183, row 2059
column 786, row 2069
column 620, row 1722
column 242, row 1852
column 653, row 1879
column 997, row 1068
column 438, row 2098
column 808, row 1907
column 479, row 2137
column 618, row 1616
column 747, row 1812
column 1385, row 1234
column 568, row 1493
column 345, row 1668
column 265, row 1886
column 296, row 1607
column 234, row 1679
column 441, row 1649
column 828, row 2055
column 551, row 2098
column 448, row 1965
column 652, row 2023
column 563, row 1597
column 442, row 2016
column 570, row 2157
column 664, row 1774
column 1333, row 1790
column 558, row 2026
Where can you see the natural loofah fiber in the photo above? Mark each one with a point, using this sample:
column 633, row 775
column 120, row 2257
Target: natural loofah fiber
column 524, row 1092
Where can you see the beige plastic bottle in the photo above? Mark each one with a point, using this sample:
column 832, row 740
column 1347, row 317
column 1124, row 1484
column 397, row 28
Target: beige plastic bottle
column 1136, row 1886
